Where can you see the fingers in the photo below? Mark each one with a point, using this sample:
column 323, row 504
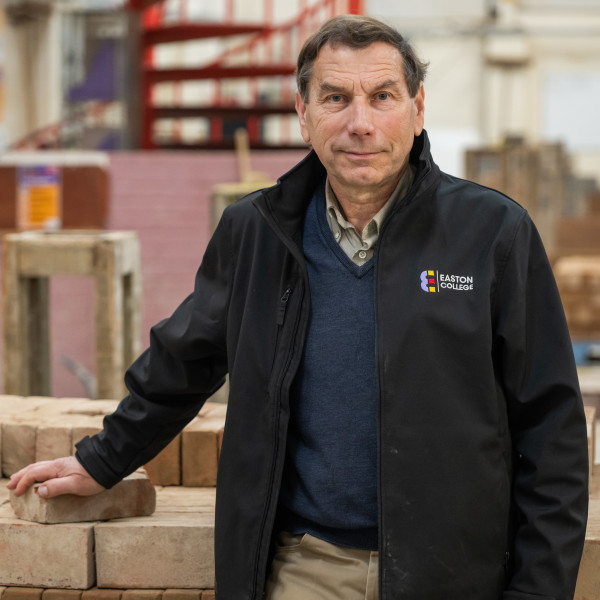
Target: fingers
column 60, row 476
column 36, row 472
column 71, row 484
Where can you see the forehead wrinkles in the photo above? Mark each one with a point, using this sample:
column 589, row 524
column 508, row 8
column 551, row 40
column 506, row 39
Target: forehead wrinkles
column 356, row 79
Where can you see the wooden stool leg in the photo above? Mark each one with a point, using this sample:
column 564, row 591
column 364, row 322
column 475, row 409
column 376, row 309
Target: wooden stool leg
column 37, row 314
column 13, row 335
column 109, row 324
column 26, row 334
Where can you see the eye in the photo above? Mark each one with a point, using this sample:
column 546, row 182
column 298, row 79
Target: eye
column 382, row 96
column 336, row 98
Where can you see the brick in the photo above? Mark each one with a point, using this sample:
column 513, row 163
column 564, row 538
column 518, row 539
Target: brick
column 588, row 579
column 98, row 594
column 165, row 469
column 60, row 556
column 10, row 405
column 200, row 452
column 61, row 595
column 52, row 442
column 134, row 496
column 18, row 446
column 162, row 551
column 590, row 418
column 87, row 407
column 213, row 409
column 21, row 593
column 182, row 499
column 142, row 595
column 182, row 595
column 3, row 491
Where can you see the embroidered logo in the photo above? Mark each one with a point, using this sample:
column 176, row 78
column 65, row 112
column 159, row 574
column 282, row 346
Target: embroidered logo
column 434, row 281
column 428, row 282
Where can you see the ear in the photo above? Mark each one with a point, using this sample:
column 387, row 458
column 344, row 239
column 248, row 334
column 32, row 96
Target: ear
column 419, row 101
column 301, row 110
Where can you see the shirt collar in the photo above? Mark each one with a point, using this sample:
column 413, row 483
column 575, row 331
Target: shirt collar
column 334, row 210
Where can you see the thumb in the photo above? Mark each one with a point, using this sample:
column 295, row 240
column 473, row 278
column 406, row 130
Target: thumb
column 56, row 487
column 71, row 484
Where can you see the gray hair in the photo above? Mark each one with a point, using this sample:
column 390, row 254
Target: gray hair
column 357, row 31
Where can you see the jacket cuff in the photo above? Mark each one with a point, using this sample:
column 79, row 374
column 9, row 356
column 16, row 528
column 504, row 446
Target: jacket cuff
column 94, row 465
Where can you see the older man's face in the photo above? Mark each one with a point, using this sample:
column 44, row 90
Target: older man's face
column 360, row 118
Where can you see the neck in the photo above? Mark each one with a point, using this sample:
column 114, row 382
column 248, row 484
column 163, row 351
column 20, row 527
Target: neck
column 360, row 206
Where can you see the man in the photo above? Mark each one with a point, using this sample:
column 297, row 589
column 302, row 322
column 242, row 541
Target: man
column 404, row 420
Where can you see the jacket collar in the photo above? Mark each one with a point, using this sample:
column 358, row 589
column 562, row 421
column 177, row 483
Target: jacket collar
column 285, row 203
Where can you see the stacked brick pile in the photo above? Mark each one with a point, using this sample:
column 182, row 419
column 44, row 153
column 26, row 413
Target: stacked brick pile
column 578, row 279
column 166, row 555
column 43, row 428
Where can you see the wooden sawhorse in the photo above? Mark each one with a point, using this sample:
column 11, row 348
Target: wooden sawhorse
column 29, row 260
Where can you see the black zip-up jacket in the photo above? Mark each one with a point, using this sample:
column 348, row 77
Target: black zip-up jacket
column 482, row 438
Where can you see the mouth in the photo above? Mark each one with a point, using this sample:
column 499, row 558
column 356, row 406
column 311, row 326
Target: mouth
column 360, row 154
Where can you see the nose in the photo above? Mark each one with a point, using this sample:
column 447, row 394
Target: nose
column 360, row 117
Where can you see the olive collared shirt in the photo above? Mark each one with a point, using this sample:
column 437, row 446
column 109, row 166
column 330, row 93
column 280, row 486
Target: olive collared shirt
column 360, row 247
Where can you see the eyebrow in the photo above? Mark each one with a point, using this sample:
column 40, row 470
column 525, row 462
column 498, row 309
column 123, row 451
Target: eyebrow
column 330, row 87
column 326, row 87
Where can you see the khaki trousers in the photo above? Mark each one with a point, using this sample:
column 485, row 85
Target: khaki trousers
column 307, row 568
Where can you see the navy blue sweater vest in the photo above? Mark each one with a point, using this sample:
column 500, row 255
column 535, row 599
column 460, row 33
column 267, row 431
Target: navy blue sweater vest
column 330, row 480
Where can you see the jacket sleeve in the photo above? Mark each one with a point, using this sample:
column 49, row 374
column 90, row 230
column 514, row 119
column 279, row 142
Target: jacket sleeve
column 185, row 363
column 536, row 369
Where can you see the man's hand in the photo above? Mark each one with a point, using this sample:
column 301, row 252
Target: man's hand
column 60, row 476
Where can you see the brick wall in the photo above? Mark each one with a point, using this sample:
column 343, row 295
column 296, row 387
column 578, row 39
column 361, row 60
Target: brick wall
column 165, row 197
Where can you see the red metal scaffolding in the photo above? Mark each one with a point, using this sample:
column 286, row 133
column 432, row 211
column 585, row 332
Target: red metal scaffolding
column 267, row 52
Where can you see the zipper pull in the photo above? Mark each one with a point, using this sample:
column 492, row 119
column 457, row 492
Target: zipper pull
column 283, row 305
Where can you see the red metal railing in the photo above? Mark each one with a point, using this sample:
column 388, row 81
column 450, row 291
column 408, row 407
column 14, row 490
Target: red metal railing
column 267, row 53
column 270, row 52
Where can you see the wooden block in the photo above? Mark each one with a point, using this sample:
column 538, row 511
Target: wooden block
column 134, row 496
column 165, row 469
column 184, row 558
column 53, row 441
column 200, row 452
column 208, row 595
column 18, row 447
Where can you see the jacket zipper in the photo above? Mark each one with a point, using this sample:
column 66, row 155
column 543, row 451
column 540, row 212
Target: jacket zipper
column 283, row 304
